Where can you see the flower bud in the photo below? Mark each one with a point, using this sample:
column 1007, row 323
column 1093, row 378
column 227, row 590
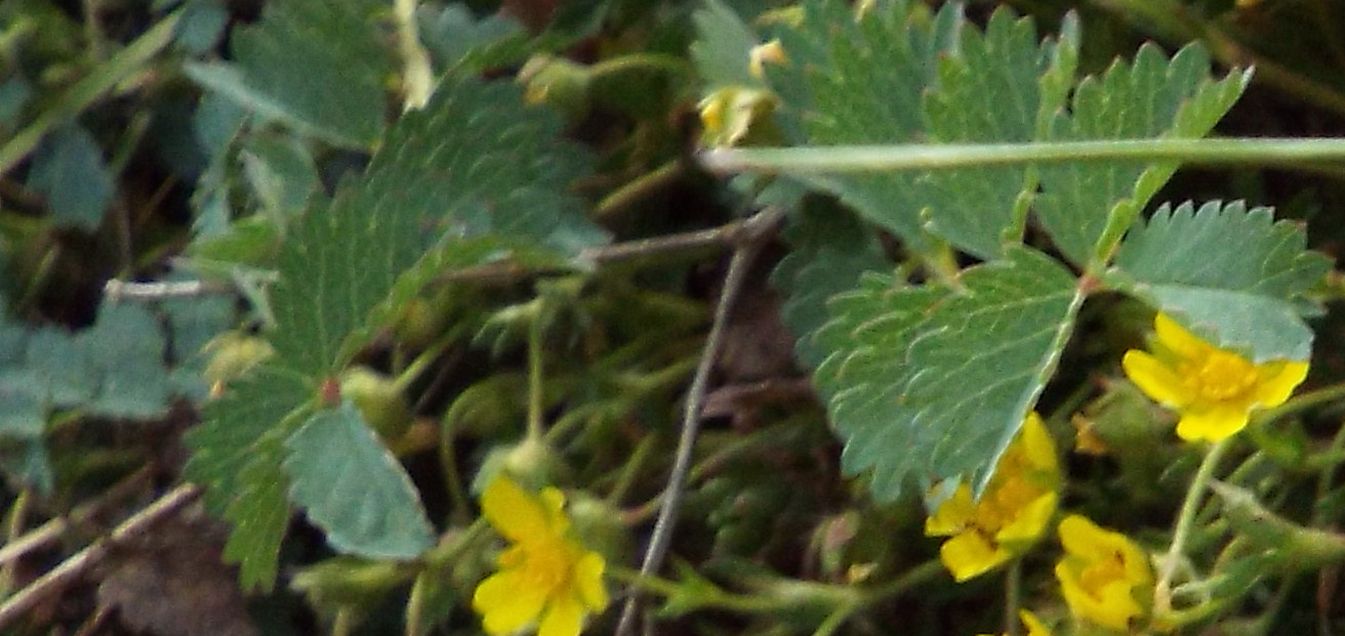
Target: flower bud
column 531, row 463
column 379, row 400
column 599, row 527
column 559, row 83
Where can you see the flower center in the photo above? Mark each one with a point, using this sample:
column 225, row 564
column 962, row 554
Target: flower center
column 1098, row 575
column 1219, row 376
column 548, row 564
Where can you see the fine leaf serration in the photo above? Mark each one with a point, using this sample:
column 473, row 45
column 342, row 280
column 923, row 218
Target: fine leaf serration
column 945, row 376
column 1230, row 274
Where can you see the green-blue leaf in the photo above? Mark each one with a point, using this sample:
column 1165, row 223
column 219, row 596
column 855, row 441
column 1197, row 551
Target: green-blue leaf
column 354, row 489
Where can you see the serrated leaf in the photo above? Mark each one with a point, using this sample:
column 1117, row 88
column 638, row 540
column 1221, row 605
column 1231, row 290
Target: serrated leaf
column 1086, row 206
column 281, row 173
column 232, row 425
column 989, row 90
column 318, row 67
column 69, row 171
column 259, row 513
column 723, row 47
column 1229, row 274
column 863, row 81
column 354, row 489
column 458, row 40
column 926, row 383
column 474, row 163
column 125, row 352
column 829, row 249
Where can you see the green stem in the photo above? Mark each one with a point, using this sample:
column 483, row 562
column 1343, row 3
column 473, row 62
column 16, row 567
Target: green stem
column 535, row 396
column 638, row 189
column 631, row 469
column 1185, row 520
column 18, row 515
column 641, row 63
column 1013, row 596
column 922, row 157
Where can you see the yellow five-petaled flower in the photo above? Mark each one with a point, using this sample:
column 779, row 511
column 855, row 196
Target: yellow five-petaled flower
column 1213, row 389
column 1104, row 576
column 546, row 577
column 1012, row 513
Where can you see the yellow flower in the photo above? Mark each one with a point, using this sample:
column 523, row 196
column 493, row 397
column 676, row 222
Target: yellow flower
column 544, row 574
column 1012, row 513
column 1104, row 576
column 1034, row 625
column 1215, row 390
column 762, row 54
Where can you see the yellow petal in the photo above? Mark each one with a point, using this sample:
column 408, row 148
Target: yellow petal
column 588, row 577
column 1113, row 610
column 1278, row 381
column 1039, row 446
column 1029, row 524
column 564, row 617
column 1177, row 339
column 1212, row 424
column 1155, row 379
column 513, row 512
column 507, row 603
column 1034, row 625
column 969, row 554
column 953, row 514
column 553, row 501
column 1083, row 538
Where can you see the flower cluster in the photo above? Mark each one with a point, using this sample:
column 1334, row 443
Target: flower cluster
column 545, row 573
column 1012, row 514
column 1214, row 389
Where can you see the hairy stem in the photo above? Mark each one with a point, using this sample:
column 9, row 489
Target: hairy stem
column 1185, row 520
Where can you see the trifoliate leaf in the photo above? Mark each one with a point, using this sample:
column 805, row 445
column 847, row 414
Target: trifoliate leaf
column 69, row 171
column 829, row 251
column 1229, row 274
column 474, row 163
column 723, row 48
column 456, row 39
column 863, row 81
column 1087, row 206
column 928, row 383
column 354, row 489
column 318, row 67
column 989, row 91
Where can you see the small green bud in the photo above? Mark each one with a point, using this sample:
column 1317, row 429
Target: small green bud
column 349, row 582
column 599, row 527
column 559, row 83
column 232, row 354
column 531, row 463
column 378, row 399
column 419, row 323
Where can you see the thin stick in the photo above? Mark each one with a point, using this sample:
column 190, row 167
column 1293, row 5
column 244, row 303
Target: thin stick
column 74, row 567
column 51, row 531
column 756, row 228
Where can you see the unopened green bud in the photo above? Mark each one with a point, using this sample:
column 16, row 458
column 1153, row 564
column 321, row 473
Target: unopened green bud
column 557, row 82
column 531, row 463
column 599, row 527
column 419, row 323
column 232, row 354
column 379, row 400
column 349, row 582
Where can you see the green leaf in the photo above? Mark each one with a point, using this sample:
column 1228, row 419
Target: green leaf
column 236, row 457
column 318, row 67
column 233, row 424
column 125, row 352
column 927, row 383
column 989, row 91
column 474, row 163
column 457, row 39
column 69, row 170
column 354, row 489
column 259, row 513
column 282, row 175
column 1229, row 274
column 723, row 47
column 863, row 82
column 1087, row 206
column 829, row 250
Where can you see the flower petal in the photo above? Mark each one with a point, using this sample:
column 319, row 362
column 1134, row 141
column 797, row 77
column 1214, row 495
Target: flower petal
column 1278, row 381
column 513, row 512
column 1029, row 524
column 1034, row 625
column 553, row 501
column 507, row 603
column 970, row 554
column 1039, row 446
column 564, row 617
column 588, row 578
column 1155, row 379
column 1211, row 424
column 953, row 514
column 1177, row 339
